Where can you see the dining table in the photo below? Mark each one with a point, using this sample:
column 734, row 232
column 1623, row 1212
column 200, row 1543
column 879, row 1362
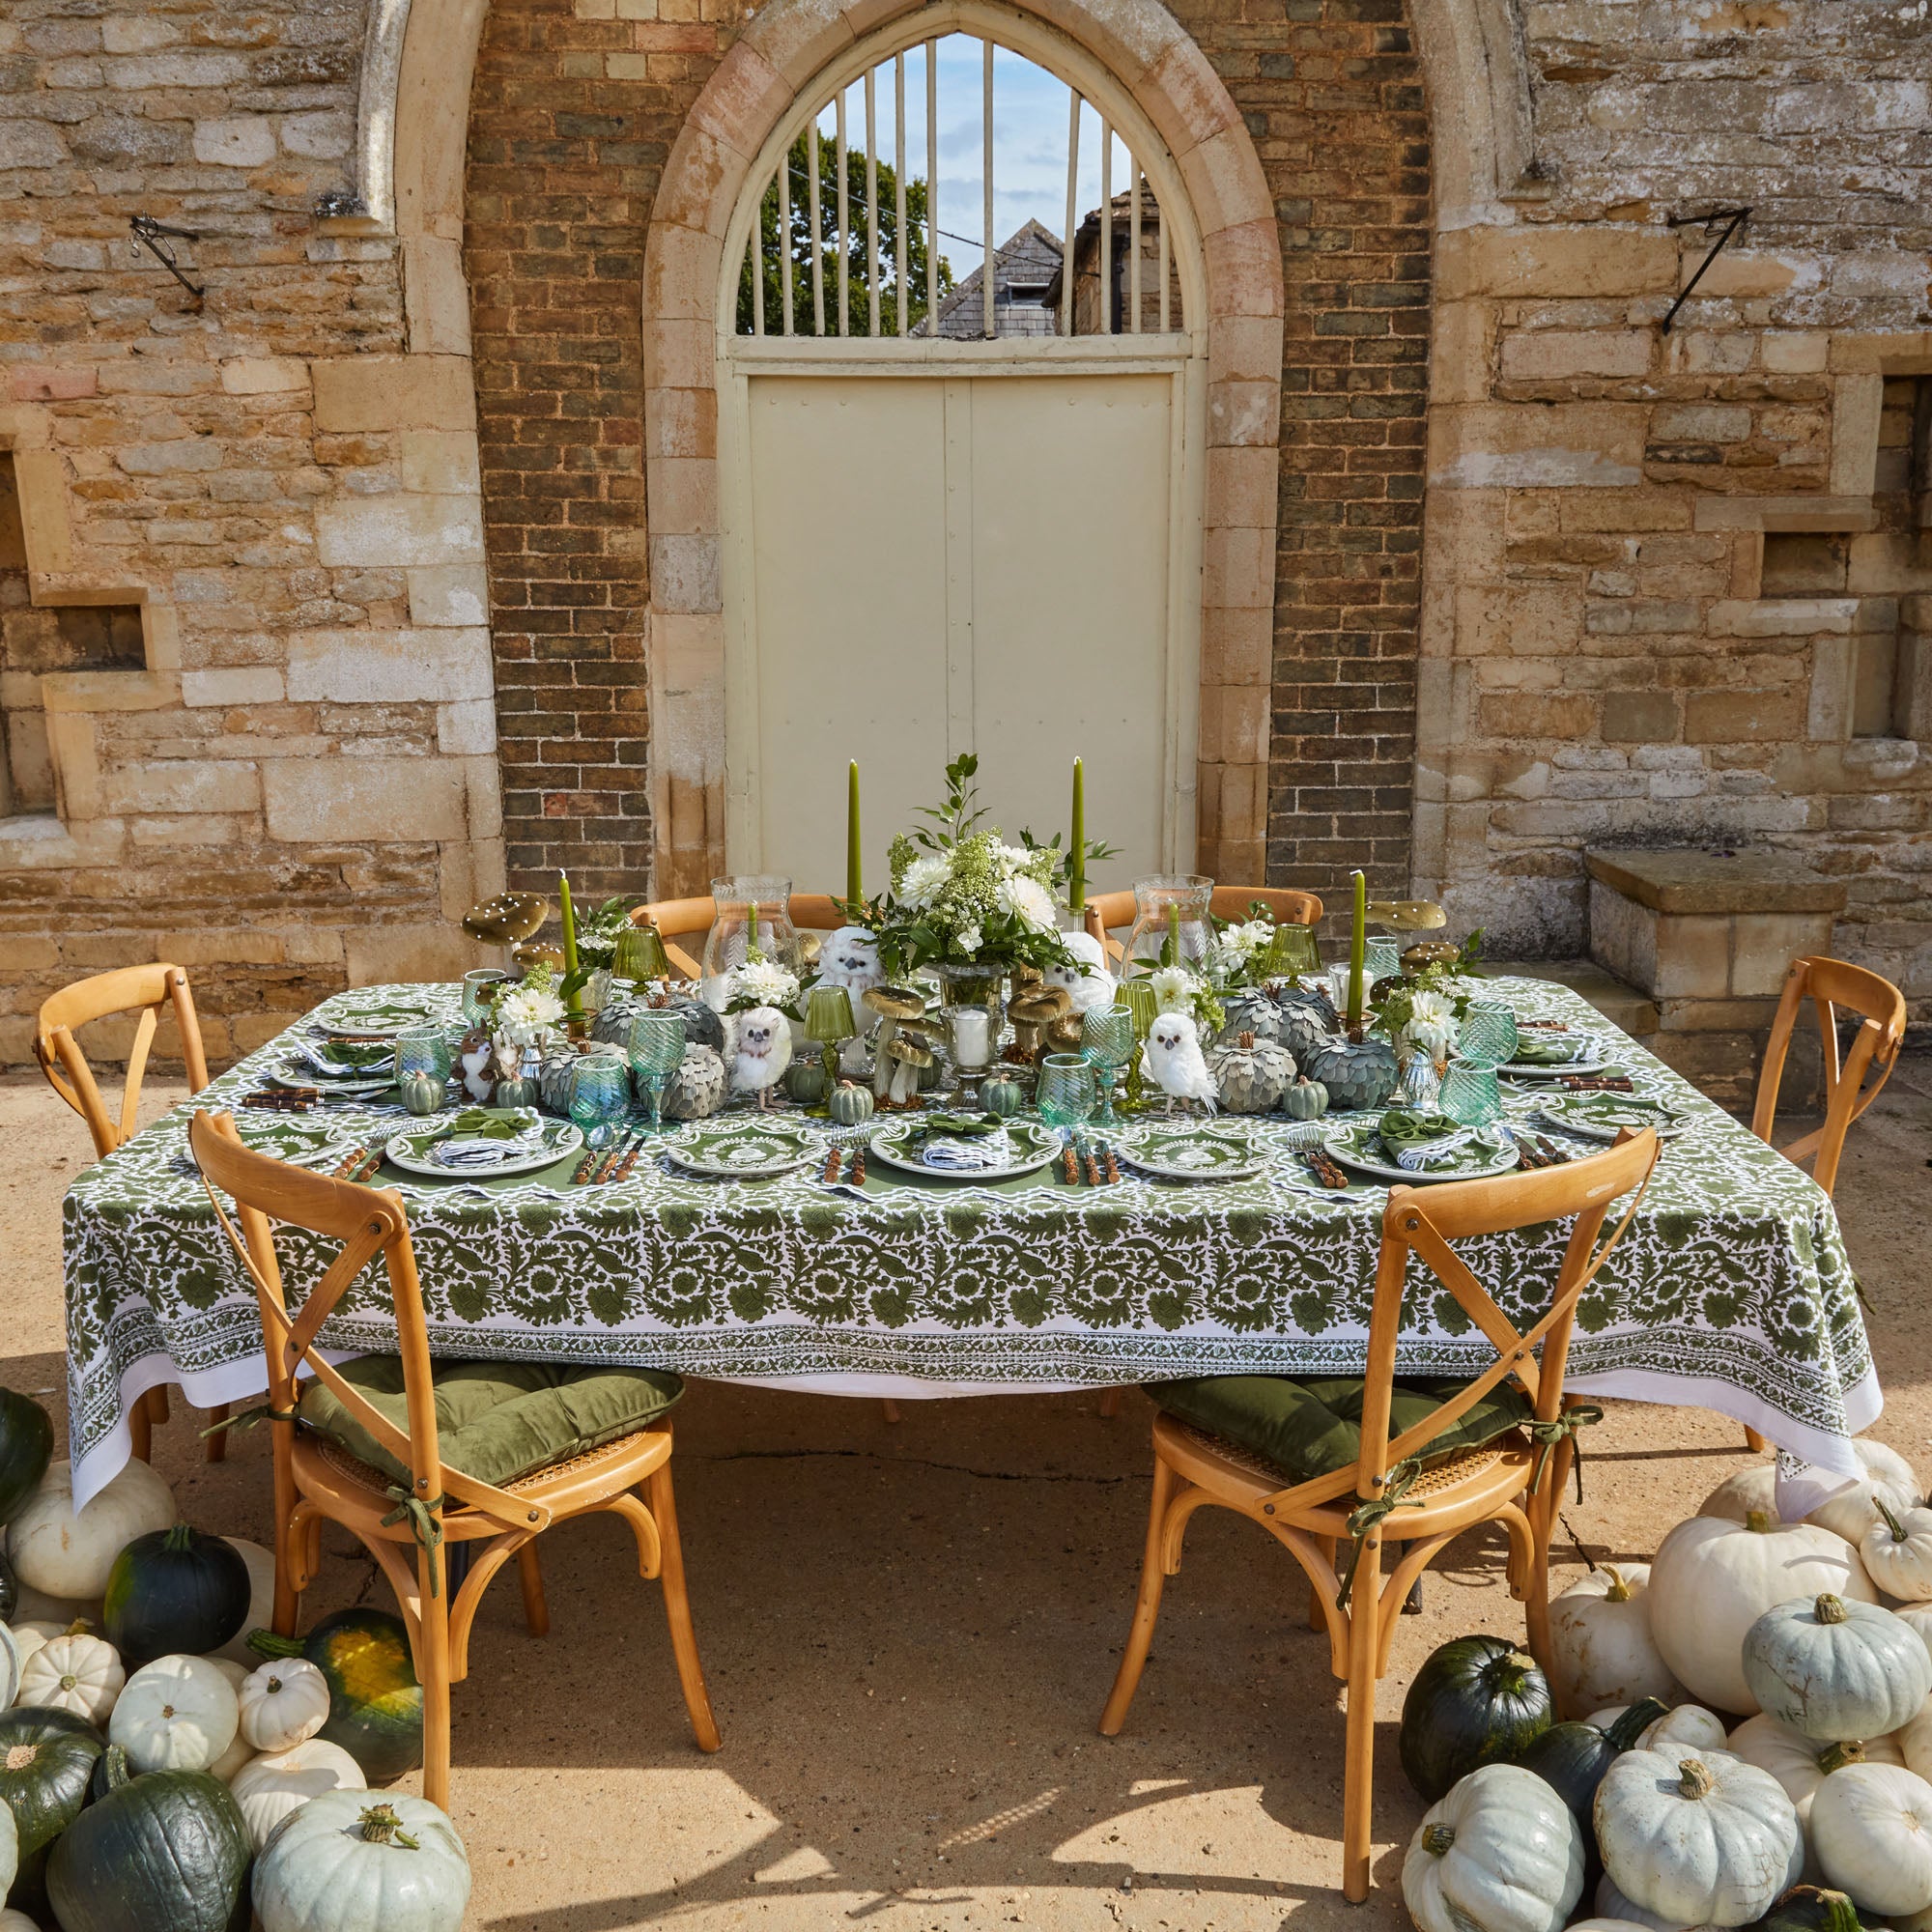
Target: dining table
column 1730, row 1291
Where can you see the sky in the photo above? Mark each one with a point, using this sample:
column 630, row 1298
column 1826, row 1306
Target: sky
column 1029, row 143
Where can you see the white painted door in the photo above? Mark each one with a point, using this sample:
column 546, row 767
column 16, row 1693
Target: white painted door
column 959, row 564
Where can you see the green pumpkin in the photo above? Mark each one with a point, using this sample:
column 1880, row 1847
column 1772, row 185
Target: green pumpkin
column 1477, row 1701
column 47, row 1757
column 422, row 1092
column 375, row 1703
column 1573, row 1758
column 26, row 1442
column 174, row 1591
column 1305, row 1100
column 167, row 1852
column 1809, row 1908
column 1002, row 1093
column 807, row 1082
column 10, row 1589
column 851, row 1104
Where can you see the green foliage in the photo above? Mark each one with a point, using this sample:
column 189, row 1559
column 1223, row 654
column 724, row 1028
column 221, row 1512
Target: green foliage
column 858, row 274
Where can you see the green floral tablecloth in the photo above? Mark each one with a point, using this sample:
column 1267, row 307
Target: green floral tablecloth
column 1732, row 1289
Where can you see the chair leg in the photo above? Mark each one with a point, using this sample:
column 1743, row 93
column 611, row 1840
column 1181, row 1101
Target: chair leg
column 1358, row 1773
column 218, row 1443
column 1755, row 1442
column 678, row 1611
column 141, row 1431
column 529, row 1573
column 158, row 1406
column 1317, row 1619
column 890, row 1407
column 1110, row 1403
column 433, row 1667
column 1147, row 1608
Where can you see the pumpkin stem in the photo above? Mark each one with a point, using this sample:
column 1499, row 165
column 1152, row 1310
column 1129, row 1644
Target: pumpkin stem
column 1891, row 1522
column 1438, row 1838
column 1522, row 1660
column 1760, row 1522
column 114, row 1767
column 1244, row 1040
column 177, row 1539
column 266, row 1643
column 1835, row 1757
column 78, row 1628
column 1831, row 1609
column 381, row 1826
column 1694, row 1779
column 1619, row 1591
column 20, row 1757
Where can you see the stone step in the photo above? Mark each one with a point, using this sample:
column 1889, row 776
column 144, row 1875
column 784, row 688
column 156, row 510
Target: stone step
column 1618, row 1002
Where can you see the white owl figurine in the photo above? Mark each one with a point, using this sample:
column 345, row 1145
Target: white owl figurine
column 760, row 1052
column 850, row 958
column 1087, row 982
column 1175, row 1063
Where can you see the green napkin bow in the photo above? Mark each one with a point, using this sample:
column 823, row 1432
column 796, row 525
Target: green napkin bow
column 1403, row 1127
column 967, row 1126
column 487, row 1123
column 348, row 1053
column 1557, row 1051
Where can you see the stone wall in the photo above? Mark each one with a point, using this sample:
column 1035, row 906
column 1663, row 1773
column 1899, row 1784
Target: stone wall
column 289, row 779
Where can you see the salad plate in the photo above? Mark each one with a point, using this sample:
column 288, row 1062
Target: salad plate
column 747, row 1150
column 1190, row 1153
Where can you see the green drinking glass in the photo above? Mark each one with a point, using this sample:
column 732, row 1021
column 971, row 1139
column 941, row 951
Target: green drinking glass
column 1067, row 1091
column 657, row 1046
column 480, row 988
column 423, row 1049
column 600, row 1096
column 1487, row 1035
column 1292, row 951
column 1381, row 960
column 1107, row 1039
column 1469, row 1095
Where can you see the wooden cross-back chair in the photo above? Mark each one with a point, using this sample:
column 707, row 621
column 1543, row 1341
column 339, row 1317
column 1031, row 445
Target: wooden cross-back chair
column 149, row 992
column 1107, row 912
column 684, row 923
column 1392, row 1492
column 403, row 1529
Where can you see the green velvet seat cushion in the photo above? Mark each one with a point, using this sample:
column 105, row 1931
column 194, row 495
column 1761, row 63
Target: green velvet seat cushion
column 1313, row 1427
column 495, row 1421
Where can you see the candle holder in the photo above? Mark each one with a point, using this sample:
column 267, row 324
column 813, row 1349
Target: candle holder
column 640, row 955
column 1137, row 997
column 829, row 1024
column 973, row 1013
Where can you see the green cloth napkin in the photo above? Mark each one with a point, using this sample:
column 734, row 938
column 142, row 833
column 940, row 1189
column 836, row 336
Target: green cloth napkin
column 347, row 1053
column 488, row 1123
column 1404, row 1128
column 1556, row 1051
column 971, row 1125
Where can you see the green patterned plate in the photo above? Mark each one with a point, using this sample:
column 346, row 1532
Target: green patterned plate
column 415, row 1153
column 1023, row 1147
column 348, row 1017
column 747, row 1150
column 297, row 1072
column 1358, row 1145
column 1600, row 1117
column 1190, row 1153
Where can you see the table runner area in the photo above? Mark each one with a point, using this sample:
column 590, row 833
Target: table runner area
column 1732, row 1289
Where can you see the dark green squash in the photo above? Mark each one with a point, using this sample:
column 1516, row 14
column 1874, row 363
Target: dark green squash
column 1477, row 1701
column 1573, row 1758
column 166, row 1852
column 1809, row 1908
column 175, row 1592
column 10, row 1589
column 375, row 1703
column 26, row 1442
column 45, row 1758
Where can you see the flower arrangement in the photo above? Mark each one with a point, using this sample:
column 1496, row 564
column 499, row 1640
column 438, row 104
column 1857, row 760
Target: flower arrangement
column 527, row 1015
column 1177, row 990
column 960, row 896
column 758, row 982
column 1424, row 1011
column 597, row 936
column 1240, row 952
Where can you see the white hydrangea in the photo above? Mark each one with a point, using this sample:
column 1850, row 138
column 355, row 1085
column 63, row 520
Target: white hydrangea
column 763, row 983
column 526, row 1016
column 1431, row 1024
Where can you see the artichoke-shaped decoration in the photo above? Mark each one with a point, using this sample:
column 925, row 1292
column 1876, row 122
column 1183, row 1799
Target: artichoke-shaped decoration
column 1358, row 1073
column 696, row 1089
column 1308, row 1016
column 1252, row 1009
column 1249, row 1072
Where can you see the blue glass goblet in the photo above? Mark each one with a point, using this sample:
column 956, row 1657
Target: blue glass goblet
column 1488, row 1035
column 600, row 1094
column 1107, row 1039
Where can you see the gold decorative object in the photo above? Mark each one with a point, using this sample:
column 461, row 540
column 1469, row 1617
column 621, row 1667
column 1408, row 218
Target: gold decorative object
column 535, row 952
column 507, row 918
column 1429, row 952
column 1407, row 915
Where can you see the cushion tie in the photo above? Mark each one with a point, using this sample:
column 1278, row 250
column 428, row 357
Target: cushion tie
column 1371, row 1514
column 1547, row 1434
column 425, row 1523
column 247, row 1418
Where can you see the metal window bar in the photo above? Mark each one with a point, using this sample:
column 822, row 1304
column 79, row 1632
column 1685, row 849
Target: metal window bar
column 871, row 205
column 817, row 230
column 756, row 264
column 1133, row 247
column 784, row 241
column 1106, row 228
column 1160, row 216
column 932, row 188
column 844, row 230
column 899, row 190
column 1072, row 211
column 987, row 305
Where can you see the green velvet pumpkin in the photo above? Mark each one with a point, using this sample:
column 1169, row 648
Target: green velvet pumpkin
column 851, row 1104
column 1809, row 1908
column 26, row 1442
column 47, row 1757
column 1002, row 1093
column 1573, row 1758
column 805, row 1081
column 375, row 1702
column 166, row 1852
column 174, row 1591
column 1477, row 1701
column 1305, row 1100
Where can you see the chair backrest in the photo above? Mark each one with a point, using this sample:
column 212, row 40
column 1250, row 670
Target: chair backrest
column 1108, row 911
column 149, row 992
column 1850, row 1084
column 1423, row 1221
column 368, row 1222
column 690, row 919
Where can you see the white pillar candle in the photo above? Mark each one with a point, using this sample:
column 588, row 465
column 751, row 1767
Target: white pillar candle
column 971, row 1036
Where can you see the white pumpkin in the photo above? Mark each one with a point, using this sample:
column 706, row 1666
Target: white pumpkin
column 261, row 1602
column 1915, row 1742
column 1700, row 1838
column 1852, row 1510
column 24, row 1643
column 1836, row 1670
column 69, row 1556
column 1712, row 1578
column 278, row 1782
column 1871, row 1827
column 233, row 1674
column 1601, row 1651
column 1689, row 1726
column 36, row 1606
column 11, row 1666
column 1500, row 1852
column 81, row 1674
column 15, row 1921
column 1752, row 1489
column 1918, row 1616
column 175, row 1714
column 1801, row 1764
column 1897, row 1551
column 10, row 1850
column 282, row 1703
column 1576, row 1925
column 348, row 1861
column 1614, row 1908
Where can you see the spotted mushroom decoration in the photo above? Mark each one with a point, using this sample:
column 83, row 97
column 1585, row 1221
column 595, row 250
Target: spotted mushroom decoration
column 895, row 1005
column 506, row 920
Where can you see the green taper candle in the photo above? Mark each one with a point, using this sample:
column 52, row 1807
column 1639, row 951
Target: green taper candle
column 1169, row 953
column 855, row 870
column 1076, row 851
column 1357, row 947
column 572, row 1002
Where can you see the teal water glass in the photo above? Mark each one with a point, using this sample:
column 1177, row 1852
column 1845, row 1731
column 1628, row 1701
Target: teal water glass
column 480, row 988
column 423, row 1049
column 1067, row 1091
column 1469, row 1095
column 1382, row 961
column 600, row 1095
column 657, row 1046
column 1488, row 1035
column 1107, row 1039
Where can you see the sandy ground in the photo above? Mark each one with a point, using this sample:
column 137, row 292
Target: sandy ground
column 909, row 1631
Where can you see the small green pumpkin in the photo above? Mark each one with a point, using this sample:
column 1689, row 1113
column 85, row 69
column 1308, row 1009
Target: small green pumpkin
column 1002, row 1093
column 26, row 1442
column 175, row 1590
column 1476, row 1700
column 1809, row 1908
column 47, row 1757
column 851, row 1104
column 375, row 1702
column 805, row 1081
column 421, row 1093
column 1305, row 1100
